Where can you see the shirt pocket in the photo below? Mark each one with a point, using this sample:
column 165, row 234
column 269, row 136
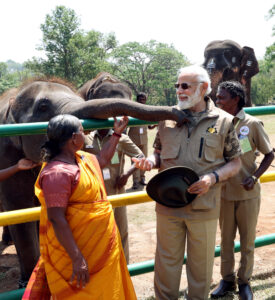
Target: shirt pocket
column 170, row 143
column 212, row 147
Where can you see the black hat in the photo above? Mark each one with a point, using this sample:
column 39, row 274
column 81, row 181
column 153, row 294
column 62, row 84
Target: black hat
column 169, row 187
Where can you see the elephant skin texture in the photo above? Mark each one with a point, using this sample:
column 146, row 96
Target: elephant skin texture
column 39, row 101
column 227, row 60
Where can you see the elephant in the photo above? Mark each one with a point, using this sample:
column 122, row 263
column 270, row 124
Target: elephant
column 104, row 85
column 38, row 101
column 227, row 60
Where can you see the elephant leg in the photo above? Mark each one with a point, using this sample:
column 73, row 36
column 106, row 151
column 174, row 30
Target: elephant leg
column 6, row 237
column 25, row 237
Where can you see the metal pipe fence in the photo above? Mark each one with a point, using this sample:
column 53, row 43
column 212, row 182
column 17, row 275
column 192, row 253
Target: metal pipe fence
column 32, row 214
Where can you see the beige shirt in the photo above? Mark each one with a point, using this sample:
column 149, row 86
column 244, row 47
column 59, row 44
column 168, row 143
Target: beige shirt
column 138, row 135
column 203, row 145
column 93, row 144
column 252, row 137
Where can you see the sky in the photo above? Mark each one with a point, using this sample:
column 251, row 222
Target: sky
column 187, row 25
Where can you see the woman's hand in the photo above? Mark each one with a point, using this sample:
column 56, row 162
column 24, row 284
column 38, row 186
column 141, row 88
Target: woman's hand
column 248, row 183
column 80, row 272
column 119, row 126
column 26, row 164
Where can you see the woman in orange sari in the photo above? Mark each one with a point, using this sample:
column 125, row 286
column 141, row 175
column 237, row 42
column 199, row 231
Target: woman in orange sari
column 81, row 252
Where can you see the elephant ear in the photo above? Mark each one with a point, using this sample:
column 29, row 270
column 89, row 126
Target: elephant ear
column 98, row 81
column 249, row 64
column 10, row 119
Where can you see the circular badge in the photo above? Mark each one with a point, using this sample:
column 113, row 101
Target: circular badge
column 244, row 130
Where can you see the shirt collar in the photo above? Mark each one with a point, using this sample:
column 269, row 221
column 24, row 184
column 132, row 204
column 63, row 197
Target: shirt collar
column 110, row 132
column 240, row 115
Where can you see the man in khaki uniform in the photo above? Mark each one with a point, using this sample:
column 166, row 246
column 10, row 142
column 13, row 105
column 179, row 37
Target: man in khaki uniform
column 114, row 176
column 208, row 144
column 241, row 194
column 139, row 136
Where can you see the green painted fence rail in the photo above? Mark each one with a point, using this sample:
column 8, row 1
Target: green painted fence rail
column 41, row 127
column 148, row 266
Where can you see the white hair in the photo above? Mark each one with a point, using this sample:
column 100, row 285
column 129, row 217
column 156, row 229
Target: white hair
column 201, row 74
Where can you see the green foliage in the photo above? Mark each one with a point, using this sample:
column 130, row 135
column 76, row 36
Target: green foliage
column 270, row 51
column 11, row 75
column 149, row 67
column 262, row 87
column 71, row 54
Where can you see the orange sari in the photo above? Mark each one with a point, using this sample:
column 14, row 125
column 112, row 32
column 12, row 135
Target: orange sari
column 91, row 220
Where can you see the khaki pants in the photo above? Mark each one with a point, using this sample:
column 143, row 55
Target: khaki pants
column 139, row 174
column 242, row 215
column 122, row 224
column 200, row 236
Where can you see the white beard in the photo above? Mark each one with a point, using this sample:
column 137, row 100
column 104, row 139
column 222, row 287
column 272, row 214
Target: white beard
column 191, row 101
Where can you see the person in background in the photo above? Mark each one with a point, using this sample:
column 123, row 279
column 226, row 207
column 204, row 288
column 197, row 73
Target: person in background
column 81, row 251
column 114, row 176
column 139, row 136
column 21, row 165
column 240, row 202
column 208, row 144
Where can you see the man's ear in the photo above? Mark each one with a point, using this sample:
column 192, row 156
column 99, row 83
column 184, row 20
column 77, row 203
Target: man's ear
column 204, row 88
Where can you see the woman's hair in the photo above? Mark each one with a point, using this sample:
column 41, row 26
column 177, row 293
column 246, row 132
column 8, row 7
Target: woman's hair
column 60, row 130
column 234, row 88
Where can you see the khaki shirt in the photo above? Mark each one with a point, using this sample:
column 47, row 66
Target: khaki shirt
column 203, row 147
column 252, row 137
column 138, row 135
column 93, row 144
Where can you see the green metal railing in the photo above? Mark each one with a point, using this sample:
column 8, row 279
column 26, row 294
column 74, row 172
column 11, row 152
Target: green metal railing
column 41, row 127
column 141, row 267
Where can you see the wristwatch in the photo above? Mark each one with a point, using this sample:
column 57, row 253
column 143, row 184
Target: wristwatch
column 216, row 176
column 255, row 179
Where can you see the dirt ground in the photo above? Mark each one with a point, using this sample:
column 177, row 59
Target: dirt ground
column 141, row 218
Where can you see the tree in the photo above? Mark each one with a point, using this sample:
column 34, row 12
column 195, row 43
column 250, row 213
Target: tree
column 270, row 51
column 262, row 87
column 71, row 53
column 11, row 75
column 149, row 67
column 58, row 30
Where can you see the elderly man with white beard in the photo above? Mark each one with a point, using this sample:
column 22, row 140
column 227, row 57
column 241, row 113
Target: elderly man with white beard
column 208, row 144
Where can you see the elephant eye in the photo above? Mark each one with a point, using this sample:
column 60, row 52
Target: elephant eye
column 43, row 104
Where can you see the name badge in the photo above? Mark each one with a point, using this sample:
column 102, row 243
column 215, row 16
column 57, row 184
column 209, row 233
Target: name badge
column 141, row 130
column 245, row 144
column 106, row 174
column 115, row 159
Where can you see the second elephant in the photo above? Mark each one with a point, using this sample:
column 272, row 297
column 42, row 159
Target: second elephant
column 227, row 60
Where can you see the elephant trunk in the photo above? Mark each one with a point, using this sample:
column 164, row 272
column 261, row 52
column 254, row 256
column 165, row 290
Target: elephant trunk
column 111, row 107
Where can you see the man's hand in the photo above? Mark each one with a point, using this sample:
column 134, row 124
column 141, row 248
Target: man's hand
column 26, row 164
column 144, row 164
column 121, row 181
column 202, row 186
column 119, row 126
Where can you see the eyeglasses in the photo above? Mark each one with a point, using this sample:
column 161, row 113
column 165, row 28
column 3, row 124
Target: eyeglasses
column 185, row 85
